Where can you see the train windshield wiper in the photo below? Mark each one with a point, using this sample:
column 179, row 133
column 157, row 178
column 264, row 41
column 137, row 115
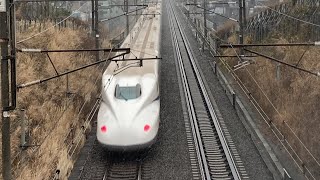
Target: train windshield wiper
column 123, row 96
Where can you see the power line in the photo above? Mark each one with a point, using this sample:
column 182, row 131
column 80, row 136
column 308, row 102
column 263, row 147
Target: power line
column 264, row 93
column 68, row 106
column 316, row 43
column 264, row 114
column 81, row 109
column 39, row 81
column 37, row 34
column 289, row 16
column 211, row 11
column 33, row 153
column 284, row 63
column 255, row 103
column 123, row 14
column 5, row 89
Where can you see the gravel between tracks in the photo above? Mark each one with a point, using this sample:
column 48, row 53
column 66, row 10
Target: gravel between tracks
column 171, row 150
column 254, row 164
column 168, row 158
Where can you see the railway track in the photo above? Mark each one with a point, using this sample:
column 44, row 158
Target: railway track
column 208, row 139
column 100, row 164
column 118, row 169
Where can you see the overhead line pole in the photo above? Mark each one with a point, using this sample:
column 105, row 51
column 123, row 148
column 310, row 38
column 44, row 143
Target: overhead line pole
column 194, row 9
column 244, row 13
column 188, row 9
column 241, row 25
column 136, row 4
column 4, row 41
column 126, row 3
column 205, row 22
column 103, row 20
column 212, row 12
column 92, row 18
column 96, row 17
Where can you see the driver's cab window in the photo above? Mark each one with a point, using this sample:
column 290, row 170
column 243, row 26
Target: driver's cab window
column 128, row 92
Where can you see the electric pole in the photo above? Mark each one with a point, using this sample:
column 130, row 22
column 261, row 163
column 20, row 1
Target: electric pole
column 126, row 9
column 188, row 15
column 244, row 13
column 96, row 27
column 92, row 18
column 136, row 3
column 195, row 10
column 205, row 22
column 4, row 41
column 241, row 25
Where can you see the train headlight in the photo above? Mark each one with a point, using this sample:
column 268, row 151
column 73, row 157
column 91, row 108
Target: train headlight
column 103, row 129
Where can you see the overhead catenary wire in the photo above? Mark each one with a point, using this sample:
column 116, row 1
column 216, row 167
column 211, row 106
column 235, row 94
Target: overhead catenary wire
column 81, row 109
column 37, row 34
column 89, row 119
column 39, row 81
column 284, row 63
column 52, row 130
column 256, row 105
column 74, row 12
column 123, row 14
column 92, row 112
column 289, row 16
column 273, row 106
column 263, row 114
column 69, row 102
column 221, row 15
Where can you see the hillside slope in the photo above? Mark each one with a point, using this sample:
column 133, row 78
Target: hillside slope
column 55, row 119
column 289, row 97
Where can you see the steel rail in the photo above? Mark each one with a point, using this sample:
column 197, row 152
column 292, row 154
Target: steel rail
column 121, row 170
column 139, row 175
column 316, row 43
column 204, row 170
column 217, row 126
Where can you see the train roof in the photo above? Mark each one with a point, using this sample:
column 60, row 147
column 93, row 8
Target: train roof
column 144, row 42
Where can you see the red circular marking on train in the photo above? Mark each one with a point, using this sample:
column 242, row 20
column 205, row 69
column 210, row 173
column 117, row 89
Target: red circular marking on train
column 104, row 129
column 146, row 128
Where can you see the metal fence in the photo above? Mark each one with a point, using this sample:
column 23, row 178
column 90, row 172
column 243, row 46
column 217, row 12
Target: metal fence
column 287, row 18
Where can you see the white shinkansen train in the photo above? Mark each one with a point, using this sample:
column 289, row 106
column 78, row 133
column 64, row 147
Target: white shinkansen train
column 129, row 113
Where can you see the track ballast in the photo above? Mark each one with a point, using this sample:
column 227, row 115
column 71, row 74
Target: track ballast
column 211, row 157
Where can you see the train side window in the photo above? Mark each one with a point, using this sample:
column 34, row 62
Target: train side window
column 128, row 92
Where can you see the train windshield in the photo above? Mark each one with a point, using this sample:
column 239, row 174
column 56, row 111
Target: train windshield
column 128, row 92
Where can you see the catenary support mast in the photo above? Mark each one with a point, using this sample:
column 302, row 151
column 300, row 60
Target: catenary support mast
column 4, row 43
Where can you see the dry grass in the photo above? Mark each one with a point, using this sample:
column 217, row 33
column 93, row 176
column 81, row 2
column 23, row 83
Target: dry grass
column 226, row 30
column 50, row 113
column 295, row 95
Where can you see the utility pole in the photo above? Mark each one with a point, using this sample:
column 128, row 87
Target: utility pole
column 241, row 25
column 188, row 15
column 195, row 10
column 126, row 9
column 4, row 43
column 205, row 22
column 136, row 3
column 244, row 13
column 96, row 27
column 92, row 18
